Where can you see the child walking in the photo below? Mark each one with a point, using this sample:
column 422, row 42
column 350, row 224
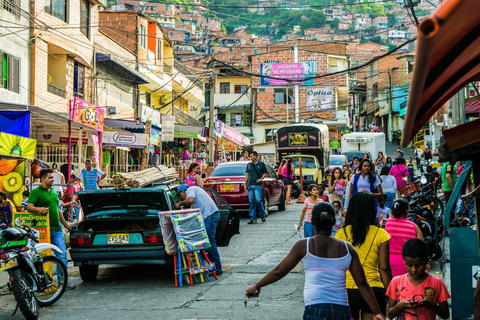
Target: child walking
column 337, row 205
column 383, row 213
column 411, row 169
column 307, row 208
column 417, row 294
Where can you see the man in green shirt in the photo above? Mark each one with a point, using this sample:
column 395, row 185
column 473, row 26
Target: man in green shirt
column 44, row 200
column 449, row 179
column 335, row 146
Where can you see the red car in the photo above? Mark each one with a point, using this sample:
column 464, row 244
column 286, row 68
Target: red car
column 228, row 179
column 336, row 160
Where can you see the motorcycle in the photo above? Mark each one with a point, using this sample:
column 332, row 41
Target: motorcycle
column 422, row 213
column 35, row 281
column 396, row 137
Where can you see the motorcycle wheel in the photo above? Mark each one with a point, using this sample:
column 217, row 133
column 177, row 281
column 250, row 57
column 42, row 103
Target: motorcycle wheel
column 437, row 207
column 56, row 275
column 24, row 295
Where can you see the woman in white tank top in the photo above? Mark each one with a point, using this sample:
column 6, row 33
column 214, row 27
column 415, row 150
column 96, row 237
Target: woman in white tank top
column 325, row 261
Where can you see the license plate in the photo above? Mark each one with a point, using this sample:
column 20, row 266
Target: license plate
column 8, row 264
column 228, row 187
column 118, row 238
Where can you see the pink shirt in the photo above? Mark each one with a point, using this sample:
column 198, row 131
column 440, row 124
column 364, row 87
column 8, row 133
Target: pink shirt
column 399, row 171
column 308, row 206
column 432, row 288
column 401, row 230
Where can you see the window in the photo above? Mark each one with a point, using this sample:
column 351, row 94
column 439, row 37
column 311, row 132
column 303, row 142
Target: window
column 371, row 69
column 240, row 88
column 85, row 17
column 12, row 6
column 9, row 72
column 255, row 51
column 279, row 96
column 225, row 87
column 410, row 66
column 222, row 117
column 78, row 79
column 159, row 49
column 270, row 135
column 236, row 119
column 148, row 99
column 57, row 8
column 143, row 36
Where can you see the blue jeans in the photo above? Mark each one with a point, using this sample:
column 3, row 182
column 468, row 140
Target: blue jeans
column 390, row 199
column 256, row 203
column 211, row 223
column 326, row 311
column 57, row 239
column 308, row 230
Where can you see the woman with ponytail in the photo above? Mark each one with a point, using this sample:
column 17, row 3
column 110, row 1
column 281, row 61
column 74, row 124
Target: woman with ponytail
column 400, row 230
column 325, row 261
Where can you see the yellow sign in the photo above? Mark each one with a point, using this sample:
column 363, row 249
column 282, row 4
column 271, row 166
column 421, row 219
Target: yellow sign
column 297, row 139
column 16, row 146
column 37, row 221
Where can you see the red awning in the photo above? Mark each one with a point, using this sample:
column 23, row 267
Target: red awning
column 447, row 59
column 472, row 107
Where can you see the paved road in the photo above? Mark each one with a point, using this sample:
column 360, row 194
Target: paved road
column 148, row 292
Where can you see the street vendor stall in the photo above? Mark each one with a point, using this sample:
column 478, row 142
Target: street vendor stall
column 447, row 59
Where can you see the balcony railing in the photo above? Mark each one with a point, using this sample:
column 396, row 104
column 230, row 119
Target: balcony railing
column 334, row 69
column 57, row 91
column 184, row 118
column 167, row 68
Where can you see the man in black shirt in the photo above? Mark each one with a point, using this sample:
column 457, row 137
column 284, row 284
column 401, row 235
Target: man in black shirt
column 255, row 173
column 428, row 155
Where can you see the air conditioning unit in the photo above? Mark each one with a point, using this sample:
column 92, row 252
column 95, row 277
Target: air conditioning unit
column 111, row 110
column 356, row 140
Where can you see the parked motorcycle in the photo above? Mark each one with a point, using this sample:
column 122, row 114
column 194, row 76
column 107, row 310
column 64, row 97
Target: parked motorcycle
column 396, row 137
column 422, row 213
column 35, row 281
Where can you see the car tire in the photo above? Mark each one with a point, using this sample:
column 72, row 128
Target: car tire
column 266, row 205
column 88, row 273
column 281, row 204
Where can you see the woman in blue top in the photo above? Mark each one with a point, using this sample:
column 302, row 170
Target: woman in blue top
column 366, row 181
column 6, row 210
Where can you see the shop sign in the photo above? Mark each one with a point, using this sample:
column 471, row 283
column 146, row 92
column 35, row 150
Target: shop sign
column 296, row 72
column 124, row 139
column 16, row 146
column 218, row 131
column 37, row 221
column 96, row 150
column 168, row 128
column 183, row 134
column 233, row 135
column 87, row 114
column 320, row 99
column 147, row 113
column 73, row 140
column 154, row 137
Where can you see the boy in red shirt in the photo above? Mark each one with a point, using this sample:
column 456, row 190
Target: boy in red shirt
column 417, row 294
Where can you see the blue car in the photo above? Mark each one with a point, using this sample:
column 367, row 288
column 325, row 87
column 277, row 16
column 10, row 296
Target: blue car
column 122, row 227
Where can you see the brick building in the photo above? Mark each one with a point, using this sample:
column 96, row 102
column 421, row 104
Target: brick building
column 275, row 105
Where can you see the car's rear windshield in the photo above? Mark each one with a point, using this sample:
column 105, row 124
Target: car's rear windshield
column 352, row 154
column 230, row 170
column 337, row 161
column 307, row 162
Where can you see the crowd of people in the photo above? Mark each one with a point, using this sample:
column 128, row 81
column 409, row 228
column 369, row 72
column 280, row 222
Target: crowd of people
column 363, row 259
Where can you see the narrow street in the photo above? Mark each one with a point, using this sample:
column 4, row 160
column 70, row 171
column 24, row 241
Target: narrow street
column 148, row 292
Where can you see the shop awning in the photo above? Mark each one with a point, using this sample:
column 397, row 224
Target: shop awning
column 472, row 106
column 125, row 125
column 117, row 65
column 191, row 129
column 447, row 59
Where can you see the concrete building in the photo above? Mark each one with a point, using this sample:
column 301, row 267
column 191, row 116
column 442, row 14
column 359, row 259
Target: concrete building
column 14, row 52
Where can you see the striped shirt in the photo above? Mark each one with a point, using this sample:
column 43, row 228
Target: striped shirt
column 308, row 206
column 401, row 230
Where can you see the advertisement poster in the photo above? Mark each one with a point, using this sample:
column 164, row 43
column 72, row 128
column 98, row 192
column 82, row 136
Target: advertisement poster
column 320, row 99
column 333, row 133
column 292, row 71
column 87, row 114
column 124, row 139
column 16, row 146
column 42, row 225
column 168, row 128
column 12, row 177
column 96, row 150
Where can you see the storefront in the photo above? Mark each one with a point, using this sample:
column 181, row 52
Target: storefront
column 229, row 142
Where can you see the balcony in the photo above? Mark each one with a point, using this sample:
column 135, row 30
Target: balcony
column 57, row 91
column 184, row 118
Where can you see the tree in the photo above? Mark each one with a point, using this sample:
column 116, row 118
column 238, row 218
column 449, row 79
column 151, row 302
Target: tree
column 334, row 23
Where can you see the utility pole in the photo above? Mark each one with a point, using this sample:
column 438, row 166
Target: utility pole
column 390, row 106
column 288, row 104
column 211, row 120
column 146, row 151
column 297, row 98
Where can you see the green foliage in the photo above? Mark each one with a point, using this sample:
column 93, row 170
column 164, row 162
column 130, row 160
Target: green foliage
column 334, row 24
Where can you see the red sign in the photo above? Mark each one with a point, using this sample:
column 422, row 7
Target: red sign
column 87, row 114
column 74, row 140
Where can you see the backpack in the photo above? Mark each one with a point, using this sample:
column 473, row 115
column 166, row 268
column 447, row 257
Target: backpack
column 190, row 179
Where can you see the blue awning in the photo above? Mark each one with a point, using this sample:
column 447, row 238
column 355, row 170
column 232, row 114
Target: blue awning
column 15, row 122
column 117, row 65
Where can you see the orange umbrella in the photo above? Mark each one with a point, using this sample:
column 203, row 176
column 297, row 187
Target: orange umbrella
column 447, row 59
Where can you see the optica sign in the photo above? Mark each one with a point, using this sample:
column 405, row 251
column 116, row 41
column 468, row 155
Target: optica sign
column 124, row 139
column 87, row 114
